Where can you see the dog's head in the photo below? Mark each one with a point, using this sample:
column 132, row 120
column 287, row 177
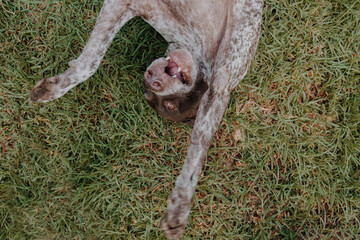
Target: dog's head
column 175, row 85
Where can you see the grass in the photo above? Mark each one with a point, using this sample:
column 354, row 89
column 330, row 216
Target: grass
column 99, row 163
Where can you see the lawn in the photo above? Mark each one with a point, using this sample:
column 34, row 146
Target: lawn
column 99, row 163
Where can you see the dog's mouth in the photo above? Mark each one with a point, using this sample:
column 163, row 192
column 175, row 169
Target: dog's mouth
column 174, row 70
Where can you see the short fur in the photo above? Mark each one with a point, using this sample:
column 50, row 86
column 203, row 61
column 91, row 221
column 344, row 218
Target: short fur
column 220, row 35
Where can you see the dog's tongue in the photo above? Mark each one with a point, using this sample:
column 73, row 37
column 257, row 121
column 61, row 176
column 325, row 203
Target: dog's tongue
column 172, row 70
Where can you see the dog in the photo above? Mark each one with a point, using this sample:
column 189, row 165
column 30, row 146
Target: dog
column 211, row 45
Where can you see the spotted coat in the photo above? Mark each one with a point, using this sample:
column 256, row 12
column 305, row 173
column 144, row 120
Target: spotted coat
column 221, row 35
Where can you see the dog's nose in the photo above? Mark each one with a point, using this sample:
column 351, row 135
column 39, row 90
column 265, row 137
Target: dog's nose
column 152, row 81
column 148, row 74
column 156, row 85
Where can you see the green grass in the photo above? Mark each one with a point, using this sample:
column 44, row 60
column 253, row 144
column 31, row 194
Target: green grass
column 99, row 163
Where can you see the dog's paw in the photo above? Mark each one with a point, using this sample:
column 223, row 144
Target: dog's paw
column 49, row 89
column 174, row 221
column 173, row 225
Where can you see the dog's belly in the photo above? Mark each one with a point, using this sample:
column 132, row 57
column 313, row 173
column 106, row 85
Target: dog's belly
column 197, row 25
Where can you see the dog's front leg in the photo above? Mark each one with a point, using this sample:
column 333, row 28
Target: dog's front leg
column 113, row 15
column 211, row 110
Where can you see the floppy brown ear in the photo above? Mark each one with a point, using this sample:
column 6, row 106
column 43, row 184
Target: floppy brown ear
column 201, row 85
column 151, row 99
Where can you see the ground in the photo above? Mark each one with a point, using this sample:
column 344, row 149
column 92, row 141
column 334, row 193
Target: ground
column 99, row 163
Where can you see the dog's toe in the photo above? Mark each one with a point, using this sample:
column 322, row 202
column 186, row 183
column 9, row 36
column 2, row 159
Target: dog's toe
column 172, row 226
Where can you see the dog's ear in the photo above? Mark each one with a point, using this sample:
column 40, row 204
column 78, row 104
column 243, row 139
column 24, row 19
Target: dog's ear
column 201, row 85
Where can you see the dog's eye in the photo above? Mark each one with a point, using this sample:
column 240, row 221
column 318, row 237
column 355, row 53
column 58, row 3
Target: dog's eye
column 170, row 107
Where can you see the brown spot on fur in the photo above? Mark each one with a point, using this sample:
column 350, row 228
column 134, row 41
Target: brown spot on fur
column 35, row 94
column 53, row 80
column 39, row 91
column 65, row 83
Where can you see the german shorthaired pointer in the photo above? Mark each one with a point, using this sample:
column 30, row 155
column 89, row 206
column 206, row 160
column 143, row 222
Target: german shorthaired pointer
column 212, row 43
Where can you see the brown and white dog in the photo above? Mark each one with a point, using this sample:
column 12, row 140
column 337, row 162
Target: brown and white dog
column 212, row 43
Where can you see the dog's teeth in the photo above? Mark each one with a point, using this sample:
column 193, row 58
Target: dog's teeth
column 179, row 69
column 174, row 76
column 167, row 58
